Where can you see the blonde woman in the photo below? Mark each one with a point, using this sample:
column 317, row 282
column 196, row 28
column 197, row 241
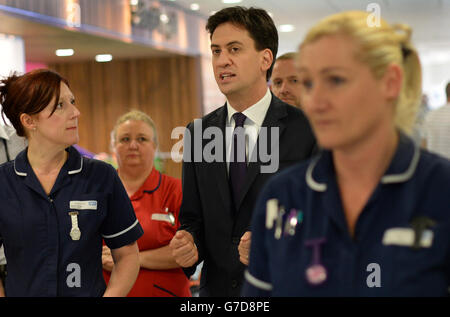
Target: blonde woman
column 156, row 200
column 369, row 215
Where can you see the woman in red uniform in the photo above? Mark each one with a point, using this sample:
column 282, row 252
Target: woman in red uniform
column 156, row 199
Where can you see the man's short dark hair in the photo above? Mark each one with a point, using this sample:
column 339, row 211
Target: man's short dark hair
column 256, row 21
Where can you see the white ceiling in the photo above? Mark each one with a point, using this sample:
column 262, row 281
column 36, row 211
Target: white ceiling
column 430, row 19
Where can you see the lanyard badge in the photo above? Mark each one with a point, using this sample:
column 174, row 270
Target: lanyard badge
column 275, row 214
column 316, row 273
column 294, row 218
column 75, row 232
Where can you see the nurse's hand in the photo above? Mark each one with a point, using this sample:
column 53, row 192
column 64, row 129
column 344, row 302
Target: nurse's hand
column 184, row 250
column 244, row 247
column 125, row 271
column 107, row 260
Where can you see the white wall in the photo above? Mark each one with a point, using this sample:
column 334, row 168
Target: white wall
column 12, row 56
column 435, row 74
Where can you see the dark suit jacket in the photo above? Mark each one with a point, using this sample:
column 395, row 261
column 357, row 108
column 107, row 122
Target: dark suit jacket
column 208, row 211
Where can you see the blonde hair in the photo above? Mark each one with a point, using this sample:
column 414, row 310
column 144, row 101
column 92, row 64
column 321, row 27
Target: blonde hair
column 379, row 46
column 135, row 115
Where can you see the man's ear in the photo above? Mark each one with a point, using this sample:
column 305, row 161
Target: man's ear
column 28, row 122
column 267, row 59
column 392, row 81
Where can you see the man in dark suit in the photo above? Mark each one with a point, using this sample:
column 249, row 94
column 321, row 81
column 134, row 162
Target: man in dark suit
column 219, row 195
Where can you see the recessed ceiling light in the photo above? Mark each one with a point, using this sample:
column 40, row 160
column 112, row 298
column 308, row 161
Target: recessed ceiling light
column 102, row 58
column 164, row 18
column 134, row 2
column 195, row 7
column 231, row 1
column 64, row 52
column 286, row 28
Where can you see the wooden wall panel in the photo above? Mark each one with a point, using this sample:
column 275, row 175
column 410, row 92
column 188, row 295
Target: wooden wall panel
column 168, row 89
column 111, row 15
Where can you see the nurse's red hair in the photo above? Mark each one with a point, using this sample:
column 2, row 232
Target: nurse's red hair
column 30, row 94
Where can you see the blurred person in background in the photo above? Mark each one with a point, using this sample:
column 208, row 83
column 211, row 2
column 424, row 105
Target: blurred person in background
column 417, row 131
column 156, row 200
column 436, row 129
column 284, row 80
column 11, row 144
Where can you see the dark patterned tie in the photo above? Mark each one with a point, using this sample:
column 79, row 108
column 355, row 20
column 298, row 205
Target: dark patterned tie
column 238, row 163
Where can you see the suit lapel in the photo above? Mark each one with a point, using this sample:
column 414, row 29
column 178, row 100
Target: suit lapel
column 276, row 111
column 219, row 169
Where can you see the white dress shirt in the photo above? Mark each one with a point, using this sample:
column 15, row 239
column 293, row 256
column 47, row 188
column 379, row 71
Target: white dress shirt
column 252, row 125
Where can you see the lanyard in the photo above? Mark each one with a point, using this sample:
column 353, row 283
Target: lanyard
column 6, row 150
column 316, row 230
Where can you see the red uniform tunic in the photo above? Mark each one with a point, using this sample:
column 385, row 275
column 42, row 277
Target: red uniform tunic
column 150, row 202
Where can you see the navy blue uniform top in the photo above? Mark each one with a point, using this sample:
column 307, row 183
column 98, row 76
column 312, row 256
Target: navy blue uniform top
column 379, row 260
column 43, row 260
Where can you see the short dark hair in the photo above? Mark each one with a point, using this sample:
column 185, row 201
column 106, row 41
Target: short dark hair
column 29, row 93
column 256, row 21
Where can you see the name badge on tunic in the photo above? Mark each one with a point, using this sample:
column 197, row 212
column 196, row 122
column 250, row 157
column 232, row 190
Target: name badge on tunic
column 164, row 217
column 75, row 232
column 83, row 204
column 405, row 237
column 168, row 216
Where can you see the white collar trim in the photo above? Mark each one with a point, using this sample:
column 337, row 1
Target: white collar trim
column 319, row 187
column 77, row 170
column 386, row 179
column 17, row 172
column 403, row 177
column 70, row 172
